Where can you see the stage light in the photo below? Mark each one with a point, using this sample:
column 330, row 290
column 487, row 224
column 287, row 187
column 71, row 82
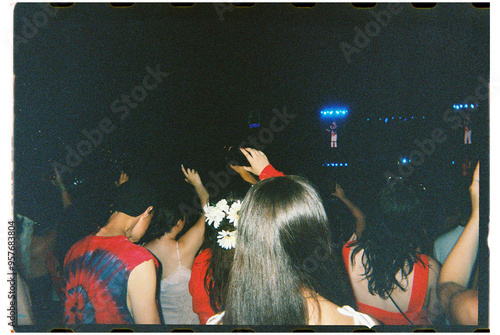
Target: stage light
column 345, row 164
column 368, row 119
column 404, row 119
column 386, row 119
column 403, row 161
column 423, row 117
column 471, row 106
column 465, row 106
column 380, row 119
column 461, row 106
column 412, row 117
column 400, row 117
column 336, row 164
column 341, row 164
column 452, row 162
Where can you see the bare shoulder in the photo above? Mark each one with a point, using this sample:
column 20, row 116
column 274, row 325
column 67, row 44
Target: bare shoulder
column 325, row 312
column 142, row 272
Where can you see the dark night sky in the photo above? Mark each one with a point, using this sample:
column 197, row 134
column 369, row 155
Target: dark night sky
column 221, row 71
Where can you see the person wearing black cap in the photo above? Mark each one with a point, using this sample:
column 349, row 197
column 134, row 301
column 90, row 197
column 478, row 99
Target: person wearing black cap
column 108, row 278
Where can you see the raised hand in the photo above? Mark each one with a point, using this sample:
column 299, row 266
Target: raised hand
column 257, row 159
column 123, row 179
column 339, row 192
column 193, row 178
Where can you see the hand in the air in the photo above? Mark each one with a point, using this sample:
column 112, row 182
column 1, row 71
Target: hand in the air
column 123, row 179
column 257, row 159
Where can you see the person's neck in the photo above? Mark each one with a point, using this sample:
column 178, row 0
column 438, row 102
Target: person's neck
column 169, row 236
column 117, row 225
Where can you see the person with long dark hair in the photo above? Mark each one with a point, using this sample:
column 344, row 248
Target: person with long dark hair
column 284, row 271
column 392, row 279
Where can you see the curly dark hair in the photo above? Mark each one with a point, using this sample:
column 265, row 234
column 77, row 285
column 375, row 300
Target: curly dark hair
column 164, row 219
column 394, row 237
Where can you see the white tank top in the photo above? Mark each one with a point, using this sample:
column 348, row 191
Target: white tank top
column 176, row 301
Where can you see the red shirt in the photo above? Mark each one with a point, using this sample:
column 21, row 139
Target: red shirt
column 96, row 271
column 201, row 300
column 416, row 312
column 269, row 172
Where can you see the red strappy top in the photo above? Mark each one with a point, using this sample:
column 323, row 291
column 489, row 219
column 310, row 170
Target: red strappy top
column 416, row 313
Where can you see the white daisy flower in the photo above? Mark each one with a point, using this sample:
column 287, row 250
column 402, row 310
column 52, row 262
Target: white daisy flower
column 233, row 213
column 222, row 205
column 214, row 215
column 227, row 239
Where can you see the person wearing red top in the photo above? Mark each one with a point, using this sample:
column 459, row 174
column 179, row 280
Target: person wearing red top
column 109, row 279
column 392, row 280
column 201, row 299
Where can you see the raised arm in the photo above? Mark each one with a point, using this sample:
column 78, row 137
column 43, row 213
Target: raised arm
column 142, row 293
column 244, row 174
column 356, row 212
column 260, row 165
column 66, row 199
column 193, row 238
column 460, row 262
column 461, row 305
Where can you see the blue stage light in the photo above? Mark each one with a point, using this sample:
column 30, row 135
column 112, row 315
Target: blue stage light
column 404, row 119
column 345, row 164
column 452, row 162
column 386, row 119
column 368, row 119
column 461, row 106
column 341, row 164
column 380, row 119
column 336, row 164
column 412, row 117
column 423, row 117
column 465, row 106
column 404, row 160
column 471, row 106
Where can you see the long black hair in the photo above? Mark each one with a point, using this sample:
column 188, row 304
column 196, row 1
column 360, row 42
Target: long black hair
column 217, row 275
column 394, row 237
column 283, row 252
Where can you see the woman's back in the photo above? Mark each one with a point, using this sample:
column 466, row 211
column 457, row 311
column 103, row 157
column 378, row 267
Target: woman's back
column 175, row 299
column 415, row 300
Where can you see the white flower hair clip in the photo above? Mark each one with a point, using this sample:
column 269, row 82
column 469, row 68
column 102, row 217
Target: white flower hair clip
column 216, row 214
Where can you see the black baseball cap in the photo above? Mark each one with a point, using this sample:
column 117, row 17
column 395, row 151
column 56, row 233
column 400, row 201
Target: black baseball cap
column 134, row 197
